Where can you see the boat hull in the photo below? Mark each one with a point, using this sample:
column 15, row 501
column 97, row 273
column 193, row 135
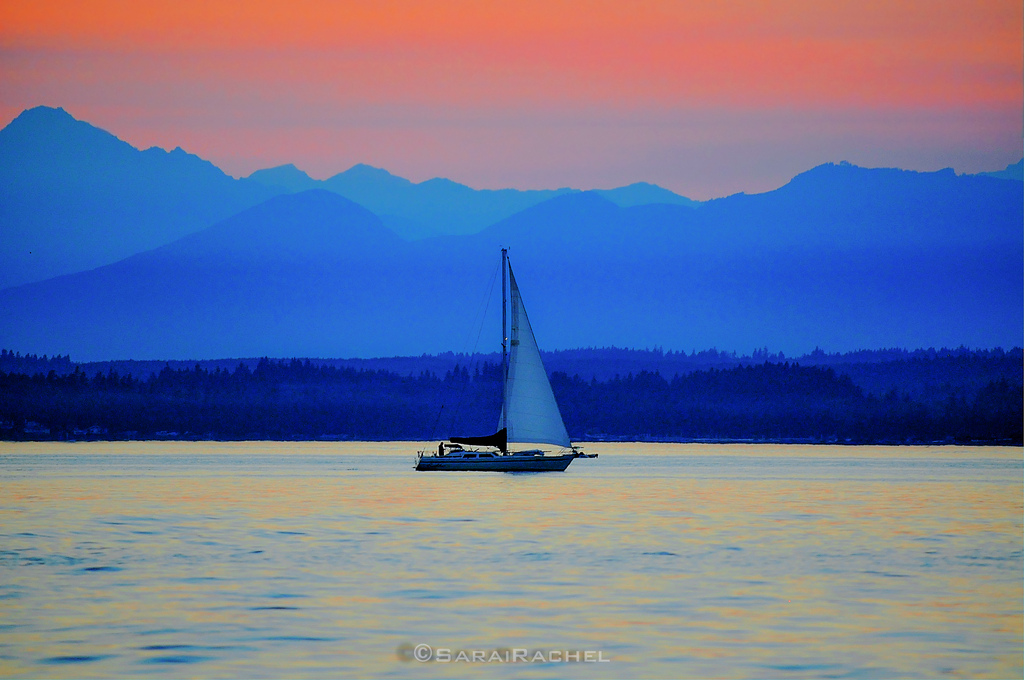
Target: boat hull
column 499, row 464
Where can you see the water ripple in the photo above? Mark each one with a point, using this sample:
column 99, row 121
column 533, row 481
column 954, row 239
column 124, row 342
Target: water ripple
column 176, row 659
column 71, row 659
column 675, row 560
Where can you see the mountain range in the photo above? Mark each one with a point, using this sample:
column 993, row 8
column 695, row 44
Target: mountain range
column 439, row 206
column 841, row 256
column 75, row 197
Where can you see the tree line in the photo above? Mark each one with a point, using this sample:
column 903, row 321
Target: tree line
column 296, row 399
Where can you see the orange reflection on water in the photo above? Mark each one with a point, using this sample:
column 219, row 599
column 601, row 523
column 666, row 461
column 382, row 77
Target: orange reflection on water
column 312, row 559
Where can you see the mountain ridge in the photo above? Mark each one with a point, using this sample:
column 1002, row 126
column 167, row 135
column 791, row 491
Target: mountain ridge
column 840, row 256
column 74, row 197
column 741, row 271
column 1012, row 171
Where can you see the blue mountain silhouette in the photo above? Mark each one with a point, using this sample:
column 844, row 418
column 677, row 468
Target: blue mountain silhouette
column 203, row 265
column 440, row 206
column 842, row 257
column 644, row 193
column 1012, row 171
column 432, row 208
column 74, row 197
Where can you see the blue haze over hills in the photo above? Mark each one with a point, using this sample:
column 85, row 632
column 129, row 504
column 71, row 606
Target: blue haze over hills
column 842, row 257
column 431, row 208
column 74, row 197
column 439, row 206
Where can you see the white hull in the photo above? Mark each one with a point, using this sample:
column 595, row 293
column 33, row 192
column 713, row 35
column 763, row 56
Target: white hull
column 509, row 463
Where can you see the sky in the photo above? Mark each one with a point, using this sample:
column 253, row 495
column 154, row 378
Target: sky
column 704, row 98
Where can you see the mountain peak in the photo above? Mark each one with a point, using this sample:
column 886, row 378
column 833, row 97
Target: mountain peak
column 364, row 170
column 314, row 223
column 576, row 203
column 287, row 177
column 79, row 197
column 361, row 177
column 851, row 168
column 48, row 113
column 43, row 140
column 47, row 122
column 644, row 193
column 830, row 176
column 444, row 184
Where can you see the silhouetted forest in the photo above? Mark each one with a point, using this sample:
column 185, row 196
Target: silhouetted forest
column 949, row 396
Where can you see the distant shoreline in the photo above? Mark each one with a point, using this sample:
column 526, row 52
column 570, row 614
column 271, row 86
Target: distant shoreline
column 622, row 440
column 952, row 397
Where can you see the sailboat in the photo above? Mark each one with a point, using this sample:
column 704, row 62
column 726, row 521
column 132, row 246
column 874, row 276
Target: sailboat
column 529, row 413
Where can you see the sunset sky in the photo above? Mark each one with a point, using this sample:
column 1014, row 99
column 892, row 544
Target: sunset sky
column 706, row 99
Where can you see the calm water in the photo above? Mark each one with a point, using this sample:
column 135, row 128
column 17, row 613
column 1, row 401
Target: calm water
column 333, row 560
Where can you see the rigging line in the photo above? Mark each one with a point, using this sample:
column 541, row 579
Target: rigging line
column 447, row 391
column 437, row 421
column 483, row 318
column 486, row 303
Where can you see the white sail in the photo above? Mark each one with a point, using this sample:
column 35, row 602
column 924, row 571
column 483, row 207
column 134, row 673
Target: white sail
column 529, row 413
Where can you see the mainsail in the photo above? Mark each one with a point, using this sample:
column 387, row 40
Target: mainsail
column 529, row 413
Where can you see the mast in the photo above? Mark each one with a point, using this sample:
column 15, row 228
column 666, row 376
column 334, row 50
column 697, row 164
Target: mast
column 504, row 339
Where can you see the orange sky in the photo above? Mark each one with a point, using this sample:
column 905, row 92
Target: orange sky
column 703, row 98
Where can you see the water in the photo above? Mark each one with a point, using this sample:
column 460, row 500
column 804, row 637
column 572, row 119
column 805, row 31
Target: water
column 335, row 560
